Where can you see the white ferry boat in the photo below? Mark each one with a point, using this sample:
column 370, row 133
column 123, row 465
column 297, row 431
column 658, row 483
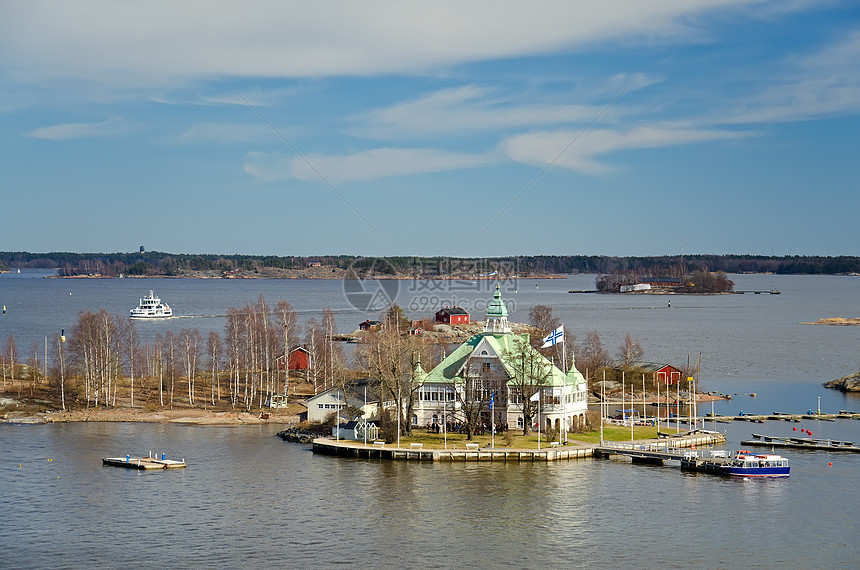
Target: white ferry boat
column 151, row 307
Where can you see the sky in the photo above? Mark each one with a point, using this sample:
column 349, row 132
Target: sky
column 483, row 128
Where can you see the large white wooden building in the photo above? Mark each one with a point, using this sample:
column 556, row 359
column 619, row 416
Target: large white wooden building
column 486, row 357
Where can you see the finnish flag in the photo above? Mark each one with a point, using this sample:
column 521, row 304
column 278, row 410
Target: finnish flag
column 554, row 337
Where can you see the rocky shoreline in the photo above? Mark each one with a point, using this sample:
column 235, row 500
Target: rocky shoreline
column 849, row 383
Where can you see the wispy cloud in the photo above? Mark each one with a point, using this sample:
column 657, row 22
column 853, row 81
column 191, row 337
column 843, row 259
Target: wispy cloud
column 226, row 133
column 136, row 43
column 68, row 131
column 258, row 96
column 466, row 109
column 361, row 166
column 540, row 148
column 808, row 86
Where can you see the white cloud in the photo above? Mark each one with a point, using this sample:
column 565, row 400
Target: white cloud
column 474, row 109
column 113, row 126
column 359, row 166
column 227, row 133
column 254, row 95
column 157, row 42
column 579, row 151
column 809, row 86
column 464, row 109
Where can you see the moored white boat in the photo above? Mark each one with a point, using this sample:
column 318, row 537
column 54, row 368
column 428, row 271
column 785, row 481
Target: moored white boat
column 741, row 464
column 151, row 307
column 747, row 464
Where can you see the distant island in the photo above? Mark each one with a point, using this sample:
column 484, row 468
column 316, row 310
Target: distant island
column 160, row 264
column 838, row 321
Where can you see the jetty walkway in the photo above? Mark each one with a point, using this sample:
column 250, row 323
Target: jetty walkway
column 472, row 452
column 661, row 450
column 778, row 416
column 801, row 443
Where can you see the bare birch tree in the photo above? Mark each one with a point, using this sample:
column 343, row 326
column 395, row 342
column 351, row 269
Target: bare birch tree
column 214, row 349
column 529, row 374
column 132, row 347
column 390, row 358
column 190, row 343
column 630, row 352
column 12, row 351
column 286, row 318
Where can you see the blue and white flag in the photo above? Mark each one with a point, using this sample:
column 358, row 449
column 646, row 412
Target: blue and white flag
column 492, row 399
column 554, row 337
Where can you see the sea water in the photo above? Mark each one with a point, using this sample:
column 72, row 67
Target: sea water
column 249, row 499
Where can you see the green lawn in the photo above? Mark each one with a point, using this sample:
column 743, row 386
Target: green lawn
column 610, row 433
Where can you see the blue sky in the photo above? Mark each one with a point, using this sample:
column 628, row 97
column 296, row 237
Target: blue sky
column 444, row 128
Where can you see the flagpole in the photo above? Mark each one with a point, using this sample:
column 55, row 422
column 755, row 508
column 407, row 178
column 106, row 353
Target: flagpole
column 563, row 387
column 539, row 422
column 602, row 403
column 552, row 339
column 365, row 415
column 492, row 421
column 445, row 419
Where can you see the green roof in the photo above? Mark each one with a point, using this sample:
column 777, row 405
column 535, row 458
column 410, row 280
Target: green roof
column 502, row 344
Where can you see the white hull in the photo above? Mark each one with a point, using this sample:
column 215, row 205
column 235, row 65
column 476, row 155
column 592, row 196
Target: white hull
column 162, row 315
column 151, row 307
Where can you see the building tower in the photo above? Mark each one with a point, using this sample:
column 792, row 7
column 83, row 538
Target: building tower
column 497, row 315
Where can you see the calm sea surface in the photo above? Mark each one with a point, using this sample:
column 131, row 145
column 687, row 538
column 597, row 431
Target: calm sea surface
column 248, row 499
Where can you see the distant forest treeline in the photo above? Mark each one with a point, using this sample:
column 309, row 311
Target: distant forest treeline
column 155, row 263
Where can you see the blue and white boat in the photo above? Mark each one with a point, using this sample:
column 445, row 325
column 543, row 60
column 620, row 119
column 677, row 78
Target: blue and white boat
column 748, row 464
column 741, row 464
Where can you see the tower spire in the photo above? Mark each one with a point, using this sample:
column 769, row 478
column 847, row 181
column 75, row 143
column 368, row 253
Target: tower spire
column 497, row 315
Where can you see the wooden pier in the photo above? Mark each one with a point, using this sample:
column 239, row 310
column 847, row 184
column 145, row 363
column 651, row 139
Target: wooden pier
column 801, row 443
column 780, row 416
column 659, row 451
column 143, row 462
column 380, row 450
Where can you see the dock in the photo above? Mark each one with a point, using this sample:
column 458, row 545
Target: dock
column 780, row 416
column 711, row 464
column 656, row 452
column 801, row 443
column 472, row 452
column 380, row 450
column 142, row 463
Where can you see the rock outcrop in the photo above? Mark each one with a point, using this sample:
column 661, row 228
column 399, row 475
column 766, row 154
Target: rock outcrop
column 297, row 435
column 850, row 383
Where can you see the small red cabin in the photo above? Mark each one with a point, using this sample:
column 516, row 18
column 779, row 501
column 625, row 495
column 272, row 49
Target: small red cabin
column 664, row 373
column 370, row 326
column 453, row 316
column 299, row 359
